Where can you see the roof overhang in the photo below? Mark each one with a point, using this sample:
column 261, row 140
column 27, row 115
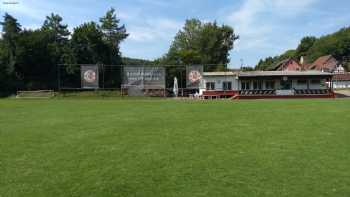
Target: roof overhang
column 284, row 73
column 219, row 74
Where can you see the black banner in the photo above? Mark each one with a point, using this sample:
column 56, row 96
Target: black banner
column 194, row 75
column 145, row 77
column 89, row 77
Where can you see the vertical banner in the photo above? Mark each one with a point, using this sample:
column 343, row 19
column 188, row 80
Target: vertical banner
column 144, row 77
column 194, row 75
column 89, row 77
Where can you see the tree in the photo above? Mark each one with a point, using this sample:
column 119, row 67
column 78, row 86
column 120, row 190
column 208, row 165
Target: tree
column 59, row 37
column 336, row 44
column 305, row 45
column 202, row 43
column 88, row 45
column 53, row 23
column 247, row 68
column 36, row 63
column 10, row 29
column 113, row 35
column 8, row 57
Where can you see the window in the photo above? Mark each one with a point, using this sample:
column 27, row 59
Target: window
column 257, row 85
column 315, row 82
column 270, row 85
column 286, row 85
column 302, row 82
column 227, row 85
column 245, row 85
column 210, row 86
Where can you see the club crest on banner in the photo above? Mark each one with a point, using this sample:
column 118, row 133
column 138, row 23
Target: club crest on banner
column 194, row 75
column 90, row 76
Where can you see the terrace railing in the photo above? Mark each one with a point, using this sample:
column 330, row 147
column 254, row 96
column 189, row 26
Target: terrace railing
column 257, row 92
column 313, row 92
column 273, row 92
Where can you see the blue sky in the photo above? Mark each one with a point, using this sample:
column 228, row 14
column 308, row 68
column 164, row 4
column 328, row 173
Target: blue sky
column 266, row 27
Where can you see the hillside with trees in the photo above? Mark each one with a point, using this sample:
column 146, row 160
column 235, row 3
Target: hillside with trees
column 336, row 44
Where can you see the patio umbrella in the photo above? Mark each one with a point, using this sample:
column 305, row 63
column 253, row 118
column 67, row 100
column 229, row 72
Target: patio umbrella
column 176, row 87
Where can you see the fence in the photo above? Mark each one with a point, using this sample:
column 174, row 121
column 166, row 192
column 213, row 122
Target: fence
column 134, row 80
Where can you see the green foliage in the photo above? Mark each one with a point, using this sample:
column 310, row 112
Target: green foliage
column 10, row 32
column 8, row 57
column 337, row 44
column 135, row 61
column 53, row 23
column 311, row 48
column 270, row 62
column 36, row 60
column 201, row 43
column 247, row 68
column 88, row 45
column 304, row 46
column 29, row 58
column 113, row 35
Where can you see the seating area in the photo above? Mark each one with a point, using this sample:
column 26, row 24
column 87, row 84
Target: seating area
column 257, row 92
column 313, row 92
column 273, row 92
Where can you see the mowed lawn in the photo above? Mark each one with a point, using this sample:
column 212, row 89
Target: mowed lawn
column 105, row 147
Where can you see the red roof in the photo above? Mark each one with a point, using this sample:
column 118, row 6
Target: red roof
column 323, row 63
column 342, row 77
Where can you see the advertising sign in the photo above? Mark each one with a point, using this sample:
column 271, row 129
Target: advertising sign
column 89, row 77
column 194, row 74
column 145, row 77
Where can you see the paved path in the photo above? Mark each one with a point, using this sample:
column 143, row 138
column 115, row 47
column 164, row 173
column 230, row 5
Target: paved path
column 342, row 93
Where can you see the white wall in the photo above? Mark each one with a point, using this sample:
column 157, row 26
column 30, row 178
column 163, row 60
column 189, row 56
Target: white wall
column 218, row 80
column 341, row 84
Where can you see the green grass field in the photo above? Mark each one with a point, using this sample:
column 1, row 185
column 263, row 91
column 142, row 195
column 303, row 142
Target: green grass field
column 105, row 147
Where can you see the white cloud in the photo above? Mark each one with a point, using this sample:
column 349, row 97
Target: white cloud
column 154, row 30
column 260, row 24
column 158, row 3
column 25, row 8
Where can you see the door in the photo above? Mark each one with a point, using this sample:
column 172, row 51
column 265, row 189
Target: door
column 286, row 85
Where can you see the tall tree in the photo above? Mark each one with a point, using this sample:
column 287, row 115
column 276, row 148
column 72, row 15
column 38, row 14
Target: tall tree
column 8, row 57
column 36, row 62
column 10, row 31
column 88, row 45
column 202, row 43
column 305, row 45
column 53, row 23
column 113, row 35
column 59, row 34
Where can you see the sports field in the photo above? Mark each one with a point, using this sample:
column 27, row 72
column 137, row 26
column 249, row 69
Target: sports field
column 105, row 147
